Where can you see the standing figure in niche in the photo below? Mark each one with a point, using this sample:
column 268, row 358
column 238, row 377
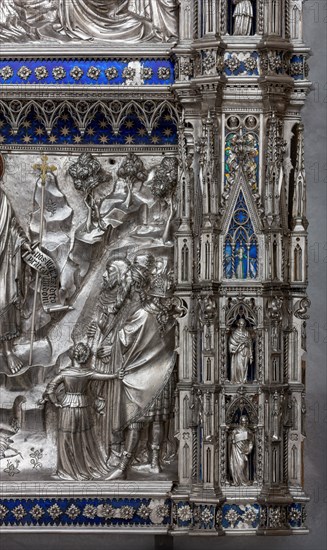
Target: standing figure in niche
column 79, row 454
column 241, row 350
column 243, row 15
column 240, row 447
column 240, row 271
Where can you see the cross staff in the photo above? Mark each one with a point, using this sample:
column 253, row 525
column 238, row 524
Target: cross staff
column 44, row 168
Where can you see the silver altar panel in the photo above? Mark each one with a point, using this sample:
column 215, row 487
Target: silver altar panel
column 153, row 241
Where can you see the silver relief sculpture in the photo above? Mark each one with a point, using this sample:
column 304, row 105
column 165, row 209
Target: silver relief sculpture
column 79, row 454
column 107, row 20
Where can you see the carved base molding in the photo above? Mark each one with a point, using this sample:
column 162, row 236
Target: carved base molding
column 159, row 514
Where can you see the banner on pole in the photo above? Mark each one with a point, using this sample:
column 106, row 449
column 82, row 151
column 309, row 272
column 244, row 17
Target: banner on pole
column 45, row 266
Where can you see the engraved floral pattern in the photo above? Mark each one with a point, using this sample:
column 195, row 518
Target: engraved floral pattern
column 12, row 468
column 19, row 512
column 6, row 72
column 24, row 72
column 37, row 512
column 106, row 511
column 3, row 511
column 144, row 511
column 184, row 513
column 296, row 69
column 90, row 511
column 206, row 515
column 159, row 513
column 146, row 73
column 126, row 512
column 72, row 512
column 232, row 63
column 36, row 456
column 54, row 511
column 58, row 73
column 129, row 73
column 41, row 73
column 164, row 73
column 250, row 64
column 111, row 73
column 275, row 63
column 249, row 516
column 232, row 517
column 93, row 73
column 76, row 73
column 295, row 515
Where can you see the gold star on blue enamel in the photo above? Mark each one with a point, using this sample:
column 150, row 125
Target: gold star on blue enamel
column 129, row 140
column 155, row 140
column 65, row 131
column 103, row 139
column 129, row 124
column 39, row 131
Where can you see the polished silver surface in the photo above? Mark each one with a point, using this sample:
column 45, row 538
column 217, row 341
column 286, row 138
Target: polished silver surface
column 153, row 297
column 70, row 20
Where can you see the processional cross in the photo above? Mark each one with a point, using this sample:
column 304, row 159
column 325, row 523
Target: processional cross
column 44, row 168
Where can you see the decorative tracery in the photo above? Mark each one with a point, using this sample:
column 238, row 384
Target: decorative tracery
column 241, row 245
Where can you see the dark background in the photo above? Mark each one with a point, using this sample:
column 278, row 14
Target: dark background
column 314, row 117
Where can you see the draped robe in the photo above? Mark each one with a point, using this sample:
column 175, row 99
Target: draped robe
column 79, row 455
column 243, row 15
column 101, row 19
column 165, row 17
column 148, row 358
column 11, row 239
column 240, row 347
column 13, row 24
column 104, row 20
column 241, row 447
